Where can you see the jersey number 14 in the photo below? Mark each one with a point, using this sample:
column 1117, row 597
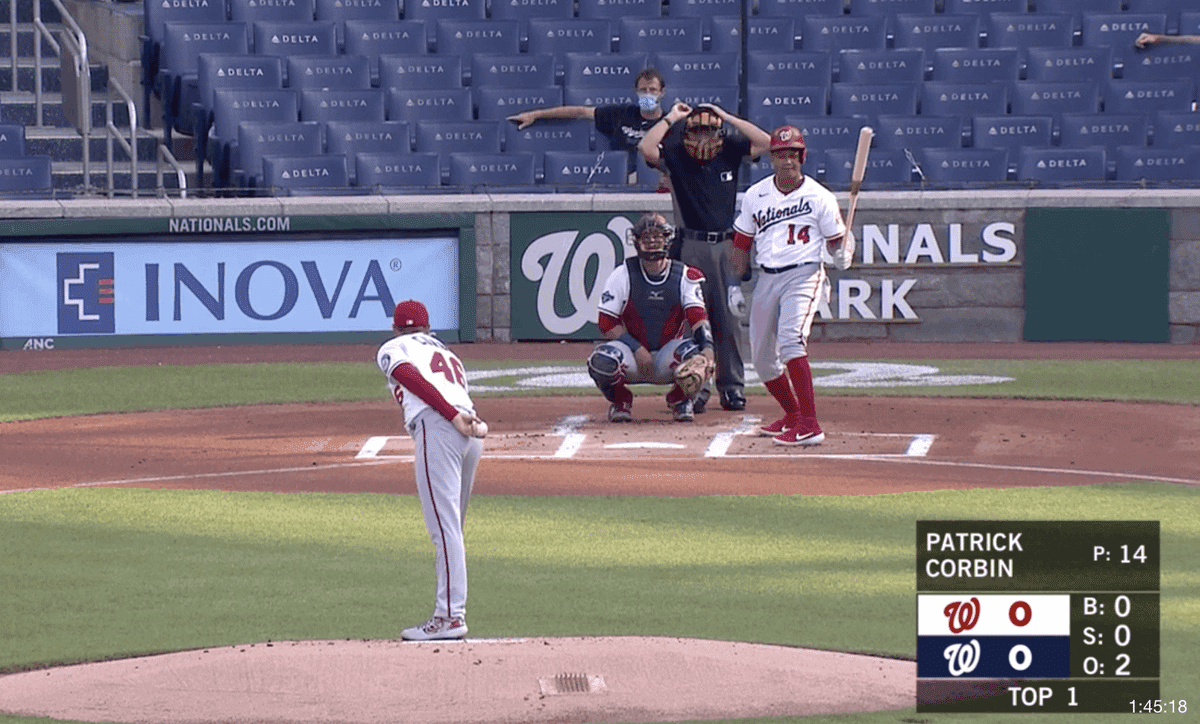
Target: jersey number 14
column 801, row 237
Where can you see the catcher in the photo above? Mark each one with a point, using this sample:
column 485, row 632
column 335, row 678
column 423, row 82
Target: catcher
column 652, row 313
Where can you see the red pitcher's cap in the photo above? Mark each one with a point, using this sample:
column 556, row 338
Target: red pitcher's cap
column 410, row 313
column 787, row 137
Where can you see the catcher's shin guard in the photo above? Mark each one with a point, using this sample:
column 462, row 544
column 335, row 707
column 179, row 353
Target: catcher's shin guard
column 604, row 367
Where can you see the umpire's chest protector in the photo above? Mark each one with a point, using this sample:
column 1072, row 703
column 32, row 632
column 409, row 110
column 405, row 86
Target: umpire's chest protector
column 657, row 304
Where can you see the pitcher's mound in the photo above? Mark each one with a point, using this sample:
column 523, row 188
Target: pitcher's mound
column 603, row 679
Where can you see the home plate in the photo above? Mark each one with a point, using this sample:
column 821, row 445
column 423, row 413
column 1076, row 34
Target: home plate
column 648, row 444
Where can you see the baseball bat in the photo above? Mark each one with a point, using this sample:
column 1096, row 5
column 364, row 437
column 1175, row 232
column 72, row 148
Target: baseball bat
column 860, row 169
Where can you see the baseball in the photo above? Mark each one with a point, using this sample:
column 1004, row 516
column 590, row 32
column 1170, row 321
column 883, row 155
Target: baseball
column 480, row 429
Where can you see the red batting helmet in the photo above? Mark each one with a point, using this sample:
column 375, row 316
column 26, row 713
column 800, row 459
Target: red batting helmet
column 410, row 313
column 788, row 137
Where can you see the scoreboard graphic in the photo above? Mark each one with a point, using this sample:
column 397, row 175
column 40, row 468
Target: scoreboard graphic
column 1037, row 616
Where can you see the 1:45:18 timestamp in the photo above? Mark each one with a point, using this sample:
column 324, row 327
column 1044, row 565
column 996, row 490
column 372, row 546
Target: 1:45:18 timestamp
column 1158, row 706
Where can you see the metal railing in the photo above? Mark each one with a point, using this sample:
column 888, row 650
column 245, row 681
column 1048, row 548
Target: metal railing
column 112, row 132
column 76, row 76
column 164, row 153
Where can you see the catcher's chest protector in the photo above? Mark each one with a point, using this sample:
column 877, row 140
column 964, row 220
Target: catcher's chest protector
column 658, row 305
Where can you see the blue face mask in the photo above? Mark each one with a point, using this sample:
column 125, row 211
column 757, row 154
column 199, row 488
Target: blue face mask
column 647, row 101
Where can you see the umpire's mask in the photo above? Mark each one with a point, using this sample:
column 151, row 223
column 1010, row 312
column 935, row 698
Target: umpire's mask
column 703, row 134
column 650, row 236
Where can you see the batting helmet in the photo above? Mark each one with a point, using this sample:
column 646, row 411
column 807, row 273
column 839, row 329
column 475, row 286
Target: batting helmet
column 651, row 235
column 703, row 134
column 410, row 313
column 786, row 137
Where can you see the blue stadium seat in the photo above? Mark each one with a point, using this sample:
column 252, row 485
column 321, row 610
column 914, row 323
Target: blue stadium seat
column 799, row 8
column 825, row 132
column 492, row 172
column 446, row 104
column 1170, row 8
column 540, row 138
column 962, row 167
column 1119, row 30
column 725, row 96
column 433, row 11
column 252, row 11
column 646, row 178
column 921, row 131
column 496, row 104
column 930, row 32
column 1146, row 96
column 881, row 66
column 868, row 100
column 1033, row 97
column 258, row 139
column 446, row 137
column 940, row 98
column 303, row 175
column 1174, row 129
column 788, row 67
column 962, row 7
column 237, row 71
column 767, row 105
column 1162, row 61
column 324, row 104
column 885, row 168
column 1141, row 163
column 341, row 11
column 616, row 70
column 466, row 37
column 351, row 138
column 692, row 69
column 598, row 96
column 26, row 177
column 1104, row 129
column 1189, row 22
column 1036, row 30
column 156, row 14
column 231, row 107
column 1074, row 9
column 822, row 32
column 177, row 83
column 417, row 71
column 1011, row 132
column 12, row 140
column 287, row 38
column 1067, row 65
column 760, row 168
column 521, row 70
column 1054, row 165
column 671, row 35
column 526, row 11
column 593, row 9
column 580, row 170
column 958, row 65
column 399, row 172
column 765, row 34
column 329, row 71
column 375, row 39
column 559, row 36
column 892, row 7
column 707, row 11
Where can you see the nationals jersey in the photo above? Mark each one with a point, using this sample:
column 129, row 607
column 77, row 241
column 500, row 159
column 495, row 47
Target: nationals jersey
column 653, row 311
column 792, row 228
column 440, row 367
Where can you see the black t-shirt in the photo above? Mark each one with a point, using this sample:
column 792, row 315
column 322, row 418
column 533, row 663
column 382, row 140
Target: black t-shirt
column 706, row 193
column 624, row 124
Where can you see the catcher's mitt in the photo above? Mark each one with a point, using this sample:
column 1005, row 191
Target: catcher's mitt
column 692, row 373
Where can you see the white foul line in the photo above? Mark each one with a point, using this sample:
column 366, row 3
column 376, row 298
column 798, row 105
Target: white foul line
column 721, row 441
column 572, row 440
column 372, row 447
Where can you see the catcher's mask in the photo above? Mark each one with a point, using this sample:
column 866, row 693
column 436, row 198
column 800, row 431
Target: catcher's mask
column 650, row 237
column 703, row 134
column 786, row 137
column 410, row 313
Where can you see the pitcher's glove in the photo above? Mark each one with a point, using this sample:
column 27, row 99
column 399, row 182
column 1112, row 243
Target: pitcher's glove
column 692, row 373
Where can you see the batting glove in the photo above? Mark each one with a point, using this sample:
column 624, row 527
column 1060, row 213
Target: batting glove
column 737, row 302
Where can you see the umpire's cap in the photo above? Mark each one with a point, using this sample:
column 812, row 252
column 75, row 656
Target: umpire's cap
column 410, row 313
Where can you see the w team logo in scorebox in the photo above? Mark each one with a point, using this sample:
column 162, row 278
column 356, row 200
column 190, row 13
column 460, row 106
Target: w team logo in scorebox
column 86, row 293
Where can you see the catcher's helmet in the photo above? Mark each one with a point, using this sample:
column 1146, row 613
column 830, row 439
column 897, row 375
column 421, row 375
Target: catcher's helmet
column 410, row 313
column 650, row 236
column 786, row 137
column 703, row 134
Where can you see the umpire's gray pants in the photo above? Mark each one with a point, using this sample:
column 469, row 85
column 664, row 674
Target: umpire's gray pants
column 713, row 260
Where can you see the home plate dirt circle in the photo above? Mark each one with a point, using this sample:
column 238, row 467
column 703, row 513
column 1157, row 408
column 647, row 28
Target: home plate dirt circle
column 594, row 679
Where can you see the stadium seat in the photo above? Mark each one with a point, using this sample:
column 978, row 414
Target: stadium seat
column 881, row 66
column 527, row 11
column 545, row 136
column 374, row 39
column 351, row 138
column 26, row 177
column 1036, row 30
column 725, row 96
column 962, row 167
column 885, row 168
column 826, row 132
column 447, row 104
column 868, row 100
column 1141, row 163
column 760, row 168
column 324, row 105
column 446, row 137
column 1074, row 9
column 237, row 71
column 579, row 170
column 12, row 140
column 1118, row 31
column 232, row 106
column 921, row 131
column 645, row 178
column 593, row 9
column 1175, row 129
column 252, row 11
column 1170, row 8
column 1147, row 96
column 959, row 65
column 417, row 71
column 694, row 69
column 598, row 96
column 964, row 7
column 492, row 172
column 788, row 67
column 1189, row 22
column 787, row 8
column 329, row 71
column 155, row 15
column 521, row 70
column 258, row 139
column 1069, row 65
column 558, row 36
column 287, row 38
column 1053, row 165
column 496, row 104
column 930, row 32
column 310, row 174
column 1011, row 132
column 616, row 70
column 1161, row 62
column 1032, row 98
column 177, row 83
column 706, row 11
column 433, row 11
column 765, row 34
column 940, row 98
column 399, row 172
column 670, row 35
column 467, row 37
column 341, row 11
column 1104, row 129
column 767, row 105
column 822, row 32
column 891, row 7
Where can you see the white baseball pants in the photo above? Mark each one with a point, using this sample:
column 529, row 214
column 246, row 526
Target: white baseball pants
column 781, row 316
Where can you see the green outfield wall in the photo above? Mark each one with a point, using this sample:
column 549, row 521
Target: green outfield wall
column 1113, row 265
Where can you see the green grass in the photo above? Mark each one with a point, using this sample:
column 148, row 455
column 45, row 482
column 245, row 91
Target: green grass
column 99, row 573
column 31, row 395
